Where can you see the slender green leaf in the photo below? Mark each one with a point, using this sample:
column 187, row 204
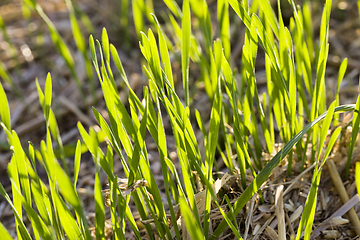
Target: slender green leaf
column 138, row 17
column 4, row 233
column 66, row 187
column 69, row 224
column 25, row 234
column 38, row 224
column 164, row 54
column 4, row 110
column 39, row 197
column 240, row 10
column 77, row 162
column 357, row 177
column 307, row 217
column 270, row 16
column 354, row 134
column 224, row 25
column 325, row 127
column 99, row 207
column 191, row 225
column 341, row 74
column 185, row 49
column 21, row 164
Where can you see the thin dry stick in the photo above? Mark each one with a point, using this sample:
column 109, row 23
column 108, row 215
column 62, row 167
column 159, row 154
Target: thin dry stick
column 264, row 226
column 295, row 180
column 73, row 108
column 279, row 204
column 36, row 123
column 343, row 194
column 292, row 232
column 249, row 216
column 340, row 212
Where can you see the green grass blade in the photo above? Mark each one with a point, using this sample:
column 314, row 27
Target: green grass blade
column 38, row 225
column 93, row 56
column 163, row 152
column 20, row 226
column 4, row 110
column 330, row 145
column 213, row 131
column 233, row 217
column 118, row 64
column 41, row 95
column 21, row 164
column 174, row 7
column 4, row 233
column 308, row 27
column 99, row 207
column 138, row 17
column 122, row 205
column 47, row 97
column 39, row 197
column 323, row 54
column 357, row 177
column 307, row 217
column 14, row 177
column 67, row 190
column 58, row 41
column 155, row 59
column 185, row 48
column 32, row 155
column 7, row 79
column 78, row 36
column 124, row 16
column 325, row 127
column 191, row 225
column 318, row 100
column 354, row 133
column 77, row 161
column 80, row 41
column 270, row 16
column 115, row 142
column 184, row 163
column 240, row 10
column 145, row 169
column 45, row 101
column 324, row 27
column 105, row 45
column 224, row 26
column 91, row 142
column 66, row 187
column 243, row 156
column 341, row 74
column 201, row 11
column 135, row 157
column 265, row 42
column 228, row 159
column 164, row 53
column 210, row 149
column 69, row 224
column 113, row 197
